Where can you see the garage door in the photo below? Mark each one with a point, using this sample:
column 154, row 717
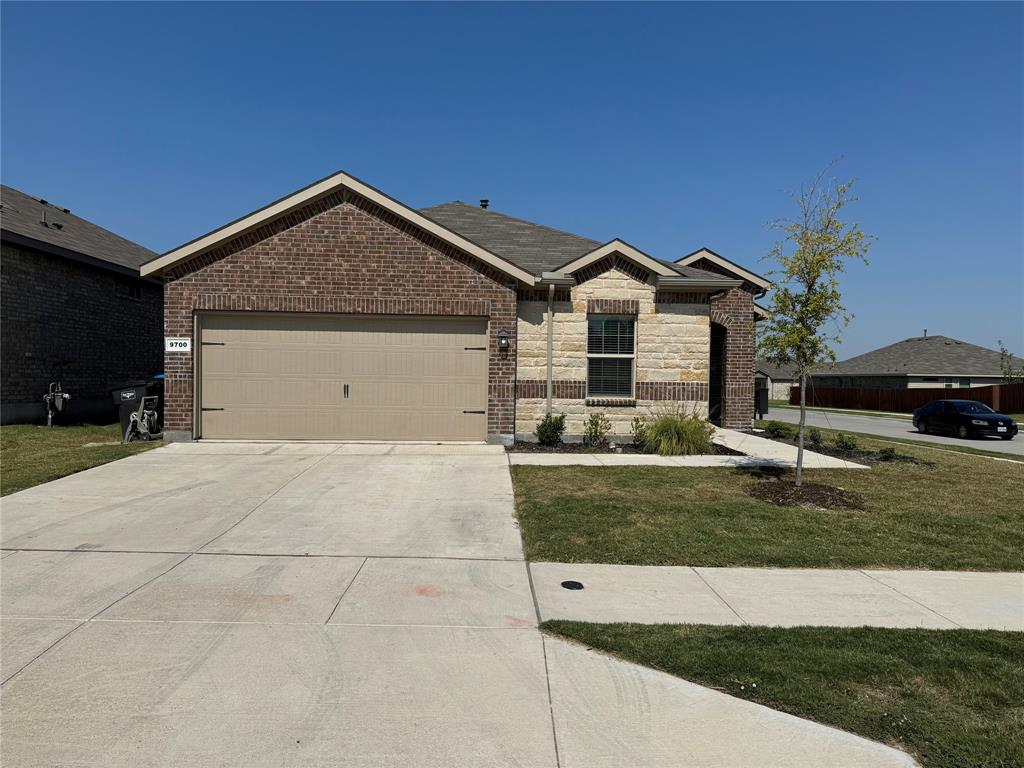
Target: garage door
column 280, row 376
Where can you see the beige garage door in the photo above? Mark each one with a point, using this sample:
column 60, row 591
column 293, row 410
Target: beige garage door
column 281, row 376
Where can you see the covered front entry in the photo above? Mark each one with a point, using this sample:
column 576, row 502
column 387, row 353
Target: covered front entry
column 342, row 377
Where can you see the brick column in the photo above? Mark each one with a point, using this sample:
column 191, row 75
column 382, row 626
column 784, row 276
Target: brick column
column 735, row 311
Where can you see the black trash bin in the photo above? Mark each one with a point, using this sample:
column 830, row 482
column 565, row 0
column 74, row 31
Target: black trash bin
column 128, row 397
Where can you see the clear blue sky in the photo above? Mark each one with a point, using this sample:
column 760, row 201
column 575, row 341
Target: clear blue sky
column 671, row 126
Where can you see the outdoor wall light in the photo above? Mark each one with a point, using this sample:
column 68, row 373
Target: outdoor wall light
column 503, row 342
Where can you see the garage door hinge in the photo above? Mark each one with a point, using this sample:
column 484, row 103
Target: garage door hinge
column 481, row 412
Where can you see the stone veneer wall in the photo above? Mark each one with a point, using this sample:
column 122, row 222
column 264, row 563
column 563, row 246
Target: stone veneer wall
column 672, row 351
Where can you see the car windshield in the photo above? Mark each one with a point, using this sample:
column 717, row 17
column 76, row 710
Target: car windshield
column 972, row 407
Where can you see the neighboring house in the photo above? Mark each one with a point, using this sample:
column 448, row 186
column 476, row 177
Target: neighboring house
column 777, row 379
column 73, row 307
column 442, row 320
column 919, row 362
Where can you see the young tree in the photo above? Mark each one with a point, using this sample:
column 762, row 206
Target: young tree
column 1012, row 373
column 806, row 303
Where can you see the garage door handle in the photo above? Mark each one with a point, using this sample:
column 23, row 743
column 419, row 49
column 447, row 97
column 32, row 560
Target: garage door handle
column 346, row 391
column 476, row 349
column 480, row 412
column 211, row 409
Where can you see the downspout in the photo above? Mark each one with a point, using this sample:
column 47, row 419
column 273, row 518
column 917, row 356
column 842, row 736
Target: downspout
column 551, row 339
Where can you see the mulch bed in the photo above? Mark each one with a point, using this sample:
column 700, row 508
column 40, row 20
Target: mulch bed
column 786, row 494
column 522, row 446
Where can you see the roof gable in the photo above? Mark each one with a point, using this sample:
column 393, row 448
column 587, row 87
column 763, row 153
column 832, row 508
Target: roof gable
column 311, row 194
column 56, row 229
column 621, row 248
column 706, row 254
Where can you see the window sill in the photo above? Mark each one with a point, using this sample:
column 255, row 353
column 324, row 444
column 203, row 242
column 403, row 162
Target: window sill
column 612, row 402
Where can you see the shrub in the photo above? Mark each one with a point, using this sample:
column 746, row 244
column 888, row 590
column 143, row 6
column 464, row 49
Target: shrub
column 845, row 442
column 778, row 430
column 596, row 429
column 887, row 454
column 550, row 429
column 814, row 437
column 678, row 433
column 639, row 431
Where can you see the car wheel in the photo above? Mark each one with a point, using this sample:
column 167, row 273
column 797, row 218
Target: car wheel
column 922, row 427
column 962, row 432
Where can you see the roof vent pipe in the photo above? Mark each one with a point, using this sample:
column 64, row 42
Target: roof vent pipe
column 484, row 202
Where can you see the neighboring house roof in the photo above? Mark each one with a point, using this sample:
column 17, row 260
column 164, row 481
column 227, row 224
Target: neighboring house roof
column 539, row 248
column 775, row 372
column 32, row 222
column 724, row 264
column 922, row 356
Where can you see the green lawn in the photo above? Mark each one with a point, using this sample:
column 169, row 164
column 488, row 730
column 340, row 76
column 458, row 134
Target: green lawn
column 951, row 698
column 30, row 454
column 960, row 512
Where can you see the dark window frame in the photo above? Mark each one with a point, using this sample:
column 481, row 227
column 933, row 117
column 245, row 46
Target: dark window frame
column 597, row 349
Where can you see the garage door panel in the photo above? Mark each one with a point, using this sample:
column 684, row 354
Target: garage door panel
column 284, row 376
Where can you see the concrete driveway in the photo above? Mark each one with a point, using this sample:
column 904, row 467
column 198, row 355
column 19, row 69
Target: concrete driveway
column 233, row 604
column 896, row 429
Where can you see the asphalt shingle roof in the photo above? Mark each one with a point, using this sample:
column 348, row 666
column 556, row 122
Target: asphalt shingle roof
column 772, row 371
column 23, row 214
column 534, row 247
column 928, row 356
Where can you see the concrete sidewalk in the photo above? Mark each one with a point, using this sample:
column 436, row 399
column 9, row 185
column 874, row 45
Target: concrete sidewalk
column 780, row 597
column 760, row 452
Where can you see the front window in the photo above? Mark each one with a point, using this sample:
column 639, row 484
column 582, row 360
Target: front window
column 611, row 351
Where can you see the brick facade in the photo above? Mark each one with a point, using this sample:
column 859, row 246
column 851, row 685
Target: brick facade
column 734, row 312
column 341, row 254
column 98, row 326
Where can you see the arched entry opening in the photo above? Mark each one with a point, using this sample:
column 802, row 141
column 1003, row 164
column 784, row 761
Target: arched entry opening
column 716, row 373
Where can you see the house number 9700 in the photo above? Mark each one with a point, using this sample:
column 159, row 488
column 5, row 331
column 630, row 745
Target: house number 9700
column 173, row 344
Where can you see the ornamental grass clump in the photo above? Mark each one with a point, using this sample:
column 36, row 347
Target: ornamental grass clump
column 678, row 433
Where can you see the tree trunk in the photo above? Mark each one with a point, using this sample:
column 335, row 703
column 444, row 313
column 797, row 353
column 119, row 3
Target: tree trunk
column 800, row 430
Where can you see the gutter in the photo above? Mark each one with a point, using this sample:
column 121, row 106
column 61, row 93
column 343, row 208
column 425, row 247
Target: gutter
column 682, row 283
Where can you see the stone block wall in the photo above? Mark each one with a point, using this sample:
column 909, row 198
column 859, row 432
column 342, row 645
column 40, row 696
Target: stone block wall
column 672, row 351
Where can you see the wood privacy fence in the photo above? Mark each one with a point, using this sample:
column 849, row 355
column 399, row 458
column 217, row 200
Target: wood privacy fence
column 1008, row 398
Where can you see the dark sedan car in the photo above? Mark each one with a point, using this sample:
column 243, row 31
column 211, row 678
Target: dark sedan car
column 964, row 418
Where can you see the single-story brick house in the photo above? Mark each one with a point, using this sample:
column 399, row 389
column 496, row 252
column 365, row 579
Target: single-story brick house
column 72, row 307
column 918, row 362
column 777, row 379
column 338, row 312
